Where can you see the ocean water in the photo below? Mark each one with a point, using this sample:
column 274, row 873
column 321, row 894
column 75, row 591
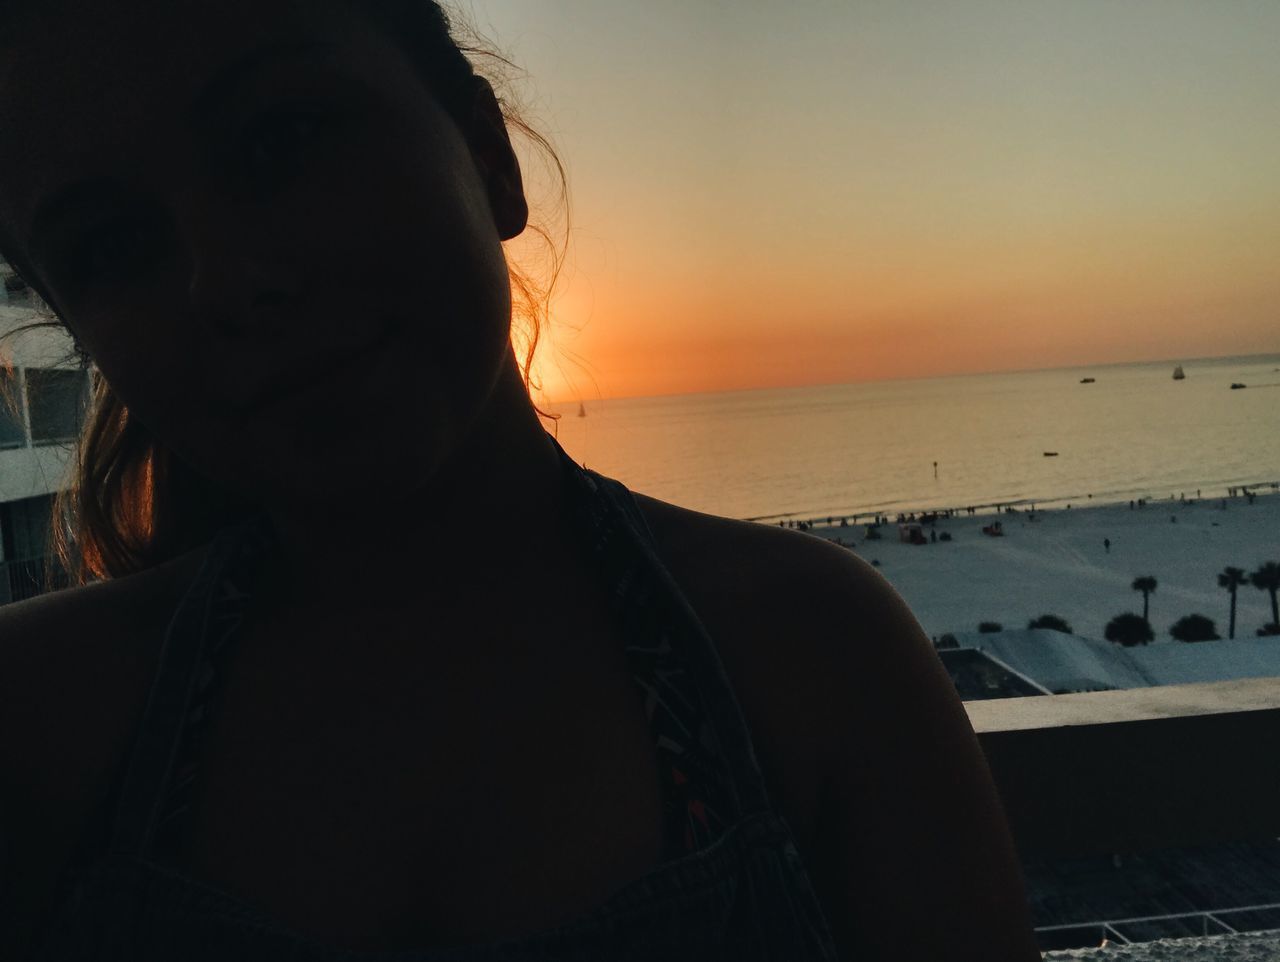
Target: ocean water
column 843, row 450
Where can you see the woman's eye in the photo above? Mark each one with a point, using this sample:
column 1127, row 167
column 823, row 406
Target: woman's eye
column 118, row 250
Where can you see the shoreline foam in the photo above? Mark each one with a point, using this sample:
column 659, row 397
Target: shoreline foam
column 1107, row 499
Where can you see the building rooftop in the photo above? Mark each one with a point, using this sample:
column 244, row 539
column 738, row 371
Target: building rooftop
column 1071, row 663
column 978, row 675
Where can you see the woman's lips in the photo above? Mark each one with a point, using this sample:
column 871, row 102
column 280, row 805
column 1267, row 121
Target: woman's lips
column 300, row 380
column 284, row 387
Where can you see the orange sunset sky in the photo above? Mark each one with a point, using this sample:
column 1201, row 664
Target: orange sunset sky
column 770, row 193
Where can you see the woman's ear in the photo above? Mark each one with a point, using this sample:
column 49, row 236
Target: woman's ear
column 491, row 147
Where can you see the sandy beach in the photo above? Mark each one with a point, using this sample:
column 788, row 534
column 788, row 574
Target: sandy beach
column 1058, row 563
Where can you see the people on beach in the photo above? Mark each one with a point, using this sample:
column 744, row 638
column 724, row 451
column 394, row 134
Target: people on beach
column 297, row 705
column 1106, row 544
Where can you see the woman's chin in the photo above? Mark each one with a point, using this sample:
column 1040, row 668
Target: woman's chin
column 317, row 474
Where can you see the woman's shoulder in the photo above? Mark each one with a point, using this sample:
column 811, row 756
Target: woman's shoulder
column 806, row 629
column 781, row 587
column 862, row 737
column 69, row 657
column 74, row 639
column 75, row 668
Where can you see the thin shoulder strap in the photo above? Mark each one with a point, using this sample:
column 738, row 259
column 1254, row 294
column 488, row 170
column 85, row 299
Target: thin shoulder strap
column 160, row 733
column 721, row 705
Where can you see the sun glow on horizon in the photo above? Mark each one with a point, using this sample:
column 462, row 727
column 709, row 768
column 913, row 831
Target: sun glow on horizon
column 887, row 191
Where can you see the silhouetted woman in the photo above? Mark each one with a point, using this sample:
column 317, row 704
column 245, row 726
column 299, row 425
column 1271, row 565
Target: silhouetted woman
column 299, row 706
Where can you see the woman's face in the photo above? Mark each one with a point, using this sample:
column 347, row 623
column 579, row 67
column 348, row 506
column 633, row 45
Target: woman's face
column 281, row 252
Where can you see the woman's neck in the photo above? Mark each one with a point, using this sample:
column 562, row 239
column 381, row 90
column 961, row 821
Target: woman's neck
column 491, row 510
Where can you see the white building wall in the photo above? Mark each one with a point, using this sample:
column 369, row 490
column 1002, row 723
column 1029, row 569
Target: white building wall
column 47, row 347
column 43, row 468
column 29, row 472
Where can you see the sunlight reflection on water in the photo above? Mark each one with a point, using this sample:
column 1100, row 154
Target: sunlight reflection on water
column 856, row 448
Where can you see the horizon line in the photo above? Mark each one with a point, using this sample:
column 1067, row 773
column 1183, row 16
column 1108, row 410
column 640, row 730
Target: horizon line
column 582, row 399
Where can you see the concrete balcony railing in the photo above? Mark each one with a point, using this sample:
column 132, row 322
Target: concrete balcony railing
column 1139, row 771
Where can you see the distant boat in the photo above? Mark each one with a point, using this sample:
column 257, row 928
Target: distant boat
column 1177, row 373
column 582, row 410
column 1051, row 454
column 1238, row 386
column 1087, row 380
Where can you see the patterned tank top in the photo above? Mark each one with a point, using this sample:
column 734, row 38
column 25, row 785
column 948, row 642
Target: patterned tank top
column 731, row 884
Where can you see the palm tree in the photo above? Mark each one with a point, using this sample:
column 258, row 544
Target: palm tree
column 1267, row 578
column 1146, row 584
column 1231, row 579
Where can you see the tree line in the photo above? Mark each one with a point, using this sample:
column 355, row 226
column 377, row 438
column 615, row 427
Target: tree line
column 1130, row 629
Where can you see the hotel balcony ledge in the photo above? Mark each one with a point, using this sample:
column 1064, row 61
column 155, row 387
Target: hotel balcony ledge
column 1137, row 769
column 1129, row 774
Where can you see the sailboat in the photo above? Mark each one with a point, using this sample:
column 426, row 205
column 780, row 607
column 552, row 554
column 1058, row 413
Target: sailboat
column 1177, row 373
column 582, row 410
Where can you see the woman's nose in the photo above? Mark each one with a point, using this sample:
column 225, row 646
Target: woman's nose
column 238, row 283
